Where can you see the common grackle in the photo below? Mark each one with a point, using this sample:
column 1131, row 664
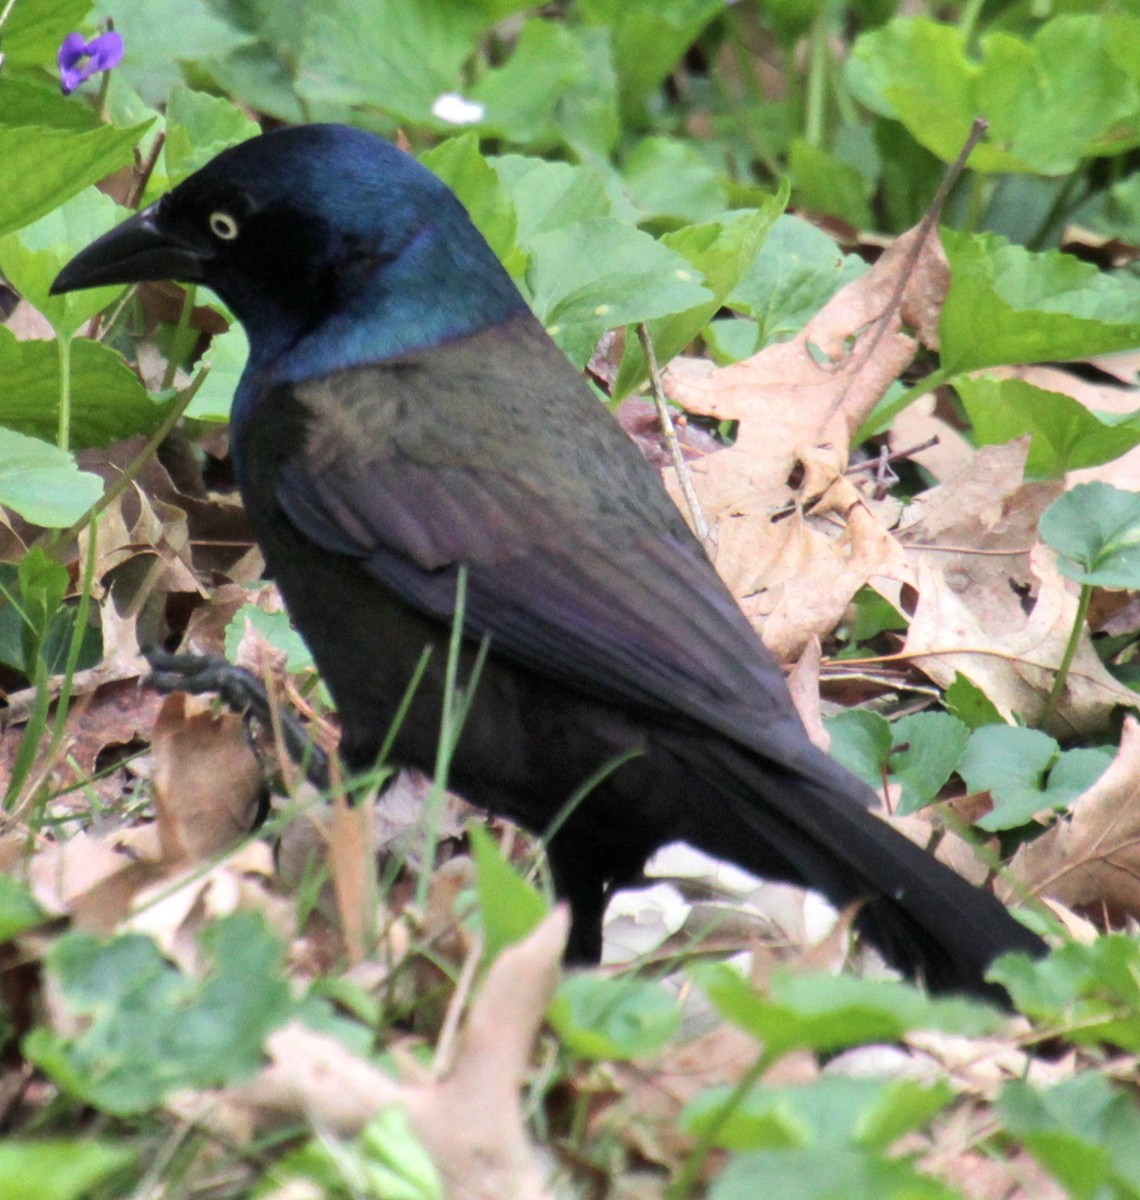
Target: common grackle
column 403, row 413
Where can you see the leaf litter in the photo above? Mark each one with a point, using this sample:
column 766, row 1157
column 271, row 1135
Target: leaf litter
column 797, row 535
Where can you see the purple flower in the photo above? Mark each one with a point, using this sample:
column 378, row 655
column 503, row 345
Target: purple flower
column 79, row 60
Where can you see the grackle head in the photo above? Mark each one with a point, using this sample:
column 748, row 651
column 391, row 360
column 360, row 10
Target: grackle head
column 298, row 227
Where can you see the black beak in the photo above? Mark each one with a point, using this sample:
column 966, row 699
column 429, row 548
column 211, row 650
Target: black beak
column 136, row 251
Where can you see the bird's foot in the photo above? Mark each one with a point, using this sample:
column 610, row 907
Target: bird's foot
column 241, row 691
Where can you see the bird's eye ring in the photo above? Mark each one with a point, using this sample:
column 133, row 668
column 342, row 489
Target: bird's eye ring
column 223, row 226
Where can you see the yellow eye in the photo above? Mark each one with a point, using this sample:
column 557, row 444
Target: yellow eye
column 223, row 226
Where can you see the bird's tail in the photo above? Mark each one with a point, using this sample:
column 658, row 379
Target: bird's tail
column 811, row 818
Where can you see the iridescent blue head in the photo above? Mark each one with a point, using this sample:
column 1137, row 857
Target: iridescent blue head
column 331, row 247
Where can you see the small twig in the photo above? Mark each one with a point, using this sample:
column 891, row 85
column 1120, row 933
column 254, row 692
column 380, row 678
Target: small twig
column 144, row 171
column 908, row 264
column 876, row 464
column 670, row 435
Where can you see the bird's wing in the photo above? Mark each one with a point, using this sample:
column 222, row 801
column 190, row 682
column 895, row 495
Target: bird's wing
column 613, row 597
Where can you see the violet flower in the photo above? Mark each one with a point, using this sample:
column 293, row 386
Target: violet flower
column 79, row 59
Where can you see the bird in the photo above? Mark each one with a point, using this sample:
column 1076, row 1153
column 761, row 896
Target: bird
column 406, row 429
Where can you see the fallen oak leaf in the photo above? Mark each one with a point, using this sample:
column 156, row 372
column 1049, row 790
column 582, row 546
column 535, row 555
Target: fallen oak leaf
column 1014, row 665
column 795, row 577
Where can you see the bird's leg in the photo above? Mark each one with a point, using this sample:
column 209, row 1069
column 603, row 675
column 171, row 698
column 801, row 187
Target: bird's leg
column 586, row 893
column 243, row 692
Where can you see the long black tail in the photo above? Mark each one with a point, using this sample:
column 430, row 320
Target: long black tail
column 923, row 918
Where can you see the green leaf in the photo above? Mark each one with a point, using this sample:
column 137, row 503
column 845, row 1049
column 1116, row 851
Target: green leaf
column 1007, row 304
column 397, row 56
column 870, row 615
column 277, row 630
column 33, row 256
column 828, row 1114
column 1025, row 772
column 719, row 253
column 916, row 753
column 19, row 912
column 822, row 183
column 1091, row 991
column 1095, row 529
column 825, row 1013
column 1066, row 436
column 797, row 271
column 34, row 29
column 58, row 1168
column 45, row 167
column 459, row 164
column 1070, row 94
column 148, row 1030
column 730, row 339
column 43, row 585
column 668, row 178
column 38, row 625
column 159, row 36
column 649, row 38
column 1084, row 1131
column 509, row 906
column 108, row 402
column 42, row 482
column 263, row 73
column 30, row 102
column 970, row 704
column 521, row 99
column 599, row 274
column 1114, row 213
column 197, row 128
column 395, row 1159
column 861, row 741
column 854, row 1174
column 226, row 357
column 620, row 1018
column 550, row 195
column 933, row 743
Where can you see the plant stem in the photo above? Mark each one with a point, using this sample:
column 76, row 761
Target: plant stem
column 63, row 436
column 684, row 479
column 816, row 89
column 883, row 414
column 970, row 13
column 978, row 200
column 685, row 1185
column 177, row 407
column 179, row 336
column 1059, row 680
column 1061, row 205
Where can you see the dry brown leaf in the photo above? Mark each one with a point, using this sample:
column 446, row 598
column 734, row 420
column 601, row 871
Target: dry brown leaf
column 954, row 1158
column 795, row 577
column 207, row 781
column 973, row 544
column 471, row 1120
column 29, row 324
column 918, row 424
column 1011, row 655
column 645, row 1114
column 352, row 867
column 88, row 879
column 1091, row 857
column 803, row 686
column 175, row 908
